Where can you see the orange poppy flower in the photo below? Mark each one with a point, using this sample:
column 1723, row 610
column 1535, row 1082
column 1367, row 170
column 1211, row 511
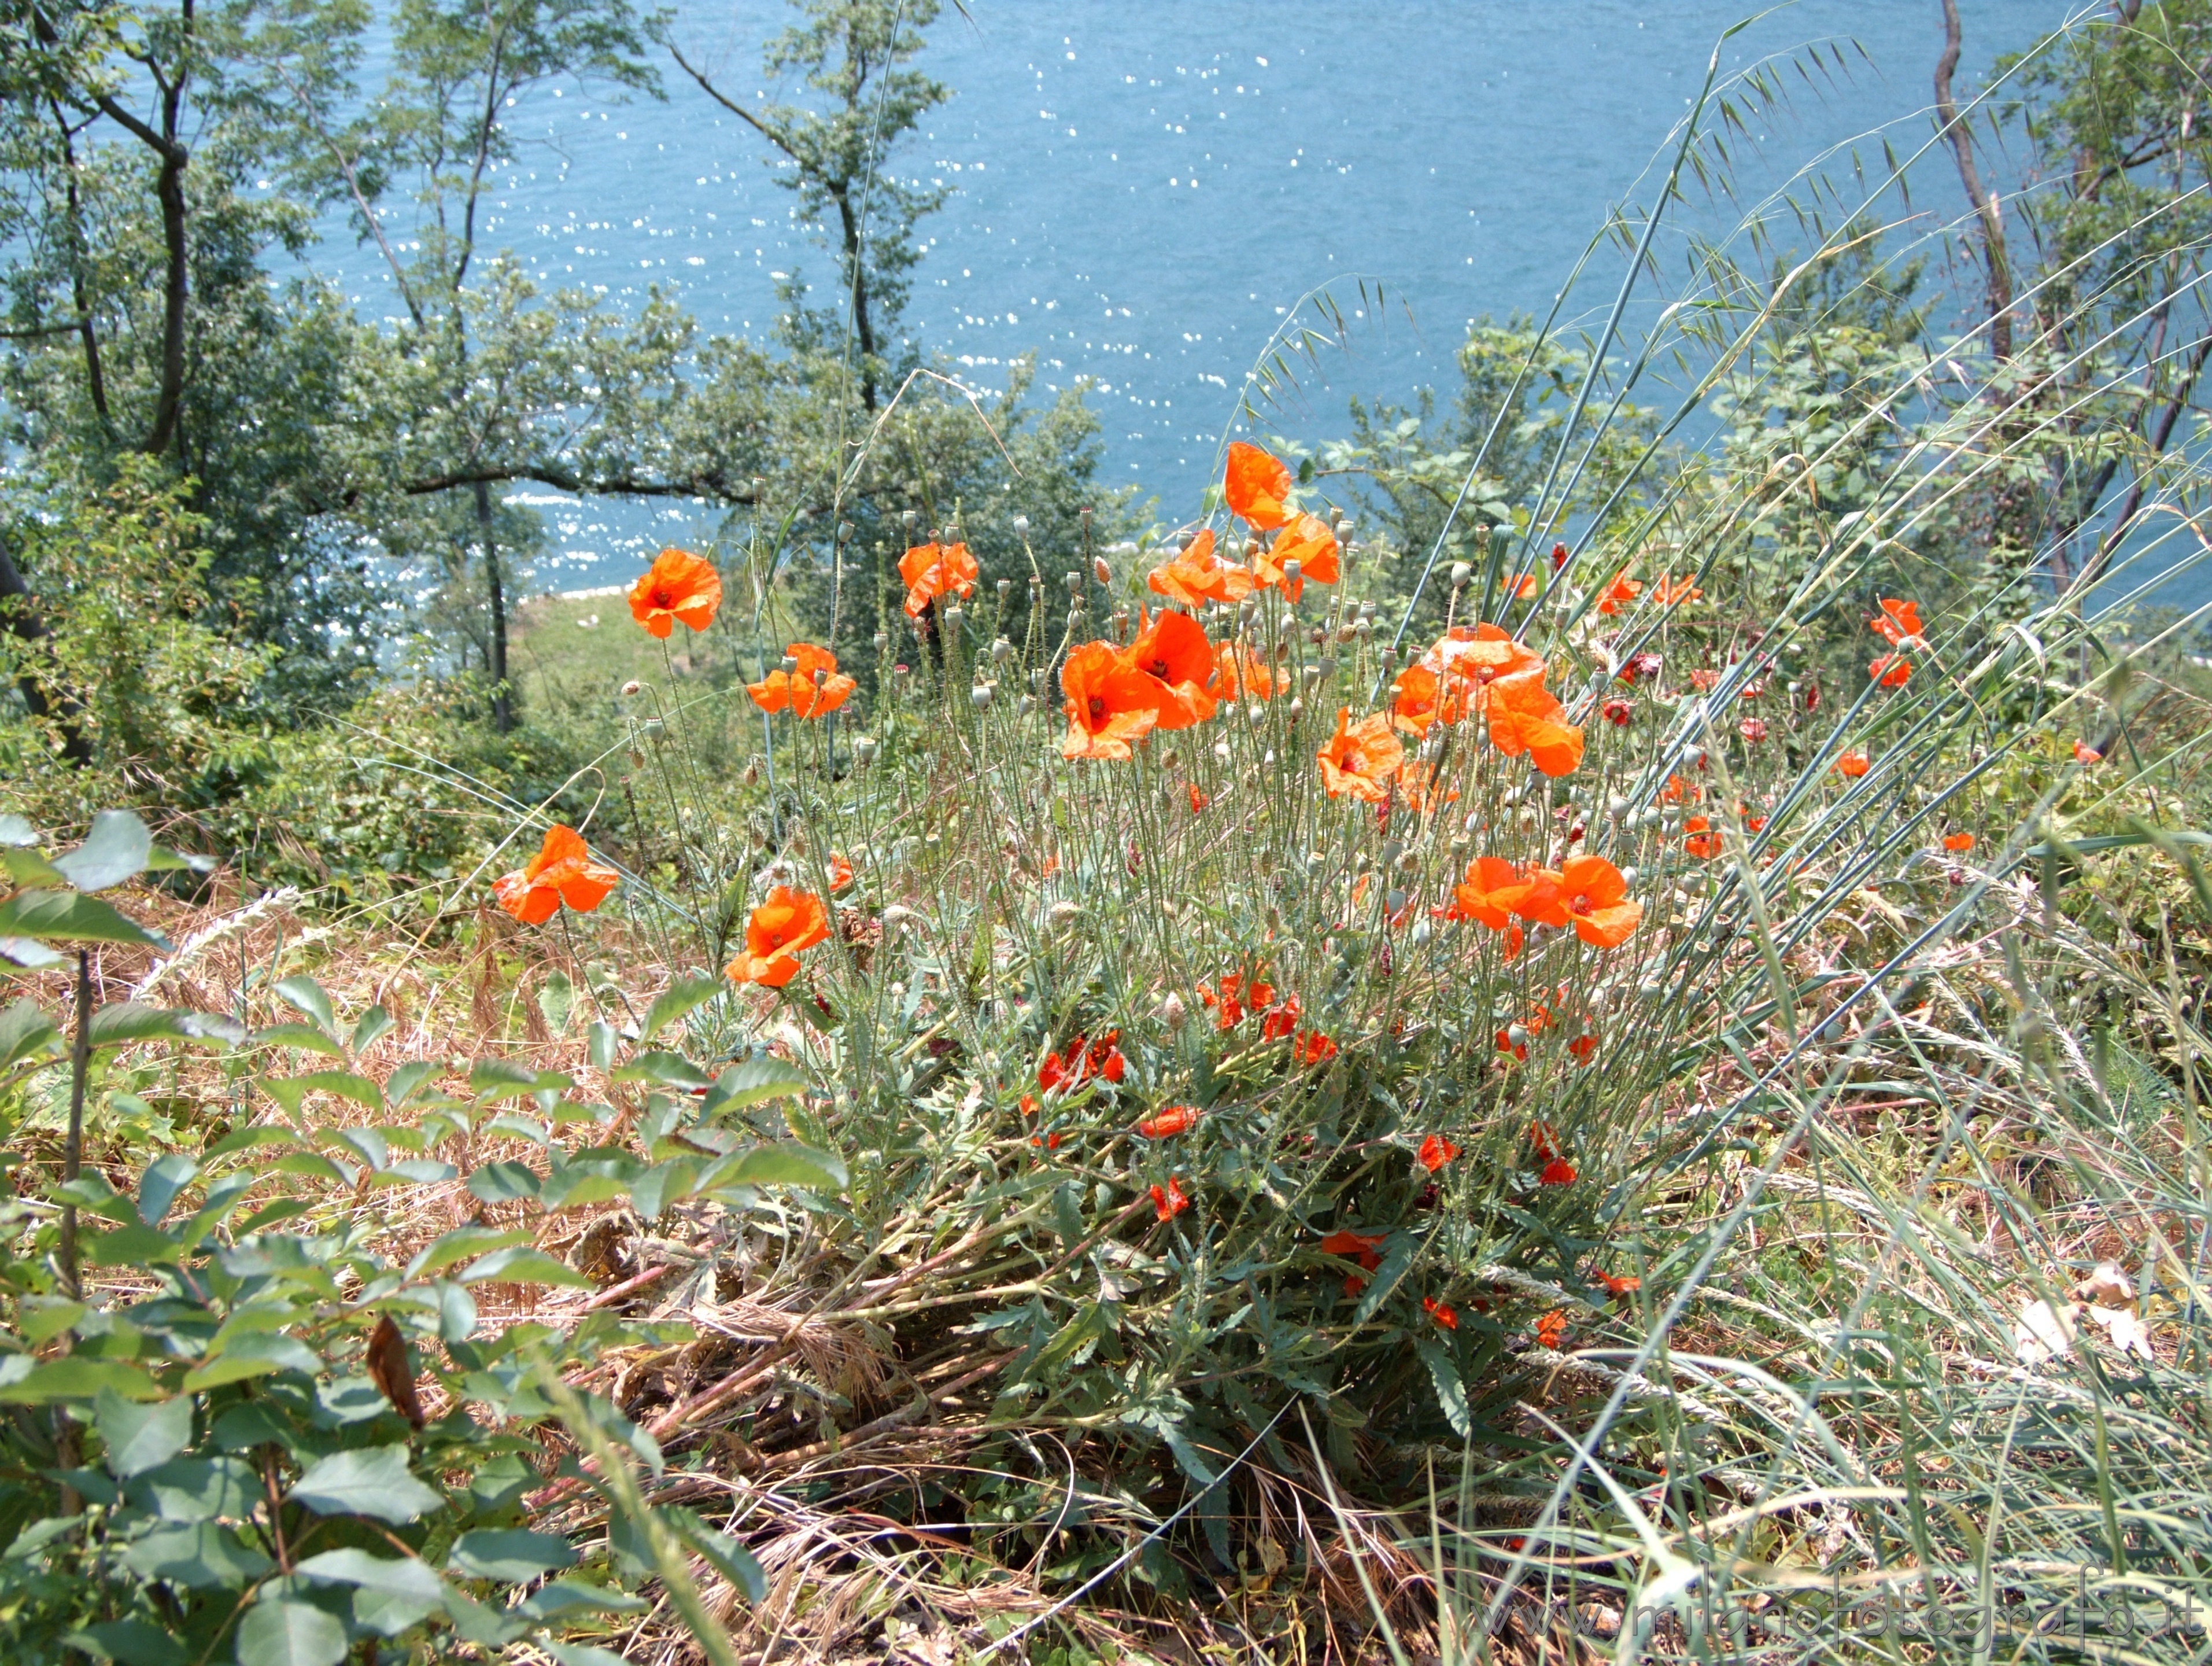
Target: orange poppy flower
column 1436, row 1151
column 561, row 872
column 1236, row 992
column 1440, row 1312
column 840, row 870
column 1279, row 1021
column 679, row 586
column 1198, row 800
column 1359, row 1245
column 1854, row 764
column 1307, row 541
column 1312, row 1049
column 2085, row 754
column 1493, row 888
column 796, row 688
column 1619, row 1286
column 1256, row 487
column 1622, row 590
column 1417, row 781
column 787, row 922
column 1196, row 575
column 1482, row 655
column 1423, row 696
column 1110, row 703
column 1360, row 759
column 1175, row 1120
column 1960, row 842
column 1597, row 903
column 1552, row 1328
column 1172, row 651
column 1169, row 1201
column 1584, row 1048
column 1890, row 670
column 931, row 570
column 1899, row 623
column 1521, row 587
column 1238, row 674
column 1525, row 717
column 1679, row 789
column 1673, row 592
column 1702, row 842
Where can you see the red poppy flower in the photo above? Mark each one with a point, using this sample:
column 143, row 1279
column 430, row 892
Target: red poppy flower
column 1507, row 1044
column 1890, row 670
column 1622, row 590
column 1521, row 587
column 1360, row 759
column 1854, row 764
column 1558, row 557
column 679, row 586
column 797, row 689
column 1256, row 487
column 1280, row 1020
column 1173, row 652
column 1552, row 1328
column 1198, row 800
column 1643, row 666
column 1673, row 592
column 1111, row 704
column 1236, row 992
column 840, row 870
column 1595, row 898
column 1048, row 1141
column 1492, row 889
column 1899, row 623
column 1196, row 575
column 1238, row 675
column 1525, row 717
column 1556, row 1172
column 1958, row 842
column 1175, row 1120
column 1312, row 1049
column 931, row 570
column 1440, row 1312
column 562, row 871
column 2085, row 755
column 1619, row 1286
column 787, row 922
column 1584, row 1048
column 1169, row 1202
column 1436, row 1151
column 1307, row 541
column 1423, row 696
column 1704, row 678
column 1702, row 842
column 1359, row 1245
column 1617, row 712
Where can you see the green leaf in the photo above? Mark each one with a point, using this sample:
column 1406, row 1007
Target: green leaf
column 752, row 1083
column 400, row 1575
column 723, row 1553
column 158, row 1187
column 255, row 1354
column 511, row 1554
column 133, row 1642
column 197, row 1489
column 130, row 1245
column 372, row 1480
column 162, row 860
column 574, row 1595
column 299, row 1035
column 28, row 953
column 599, row 1042
column 279, row 1632
column 580, row 1654
column 251, row 1139
column 139, row 1435
column 459, row 1244
column 1397, row 1256
column 24, row 1381
column 369, row 1028
column 64, row 917
column 15, row 830
column 414, row 1171
column 679, row 999
column 556, row 999
column 345, row 1085
column 28, row 867
column 783, row 1165
column 306, row 995
column 115, row 850
column 671, row 1069
column 367, row 1144
column 41, row 1318
column 502, row 1182
column 1451, row 1391
column 401, row 1084
column 522, row 1264
column 125, row 1021
column 491, row 1080
column 200, row 1555
column 25, row 1031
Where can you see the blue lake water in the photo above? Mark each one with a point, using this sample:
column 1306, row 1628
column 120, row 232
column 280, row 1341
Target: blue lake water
column 1145, row 188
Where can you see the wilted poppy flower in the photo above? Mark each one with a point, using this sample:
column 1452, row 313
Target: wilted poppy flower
column 1360, row 759
column 1307, row 541
column 2085, row 754
column 1525, row 717
column 1622, row 590
column 1256, row 487
column 797, row 689
column 1552, row 1328
column 787, row 922
column 1558, row 557
column 1313, row 1048
column 1596, row 900
column 1173, row 1121
column 931, row 570
column 1198, row 800
column 1556, row 1172
column 1899, row 623
column 1702, row 842
column 561, row 872
column 1854, row 764
column 1890, row 670
column 1958, row 842
column 1168, row 1202
column 1617, row 712
column 1643, row 666
column 1440, row 1312
column 1436, row 1151
column 840, row 870
column 678, row 586
column 1196, row 575
column 1110, row 703
column 1622, row 1284
column 1812, row 696
column 1239, row 675
column 1753, row 729
column 1671, row 592
column 1173, row 652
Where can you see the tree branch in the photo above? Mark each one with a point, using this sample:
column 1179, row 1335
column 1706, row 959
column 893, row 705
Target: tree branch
column 731, row 106
column 1962, row 146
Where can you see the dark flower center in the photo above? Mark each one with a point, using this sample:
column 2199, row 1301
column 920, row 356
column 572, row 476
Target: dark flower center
column 1159, row 669
column 1097, row 710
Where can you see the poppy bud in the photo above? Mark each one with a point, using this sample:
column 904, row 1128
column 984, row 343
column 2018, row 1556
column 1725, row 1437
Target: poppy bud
column 844, row 531
column 1062, row 913
column 1297, row 710
column 632, row 687
column 864, row 749
column 751, row 776
column 1022, row 527
column 1173, row 1013
column 980, row 696
column 1461, row 574
column 1100, row 570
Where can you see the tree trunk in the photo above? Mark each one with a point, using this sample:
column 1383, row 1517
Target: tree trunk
column 503, row 697
column 857, row 290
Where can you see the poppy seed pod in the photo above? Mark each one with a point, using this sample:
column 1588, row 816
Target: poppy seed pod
column 1022, row 527
column 1461, row 574
column 632, row 687
column 652, row 729
column 883, row 641
column 1075, row 584
column 936, row 537
column 787, row 664
column 1005, row 589
column 1062, row 913
column 1024, row 706
column 844, row 531
column 864, row 750
column 1297, row 710
column 955, row 617
column 1001, row 651
column 953, row 535
column 980, row 696
column 1293, row 570
column 1255, row 715
column 907, row 518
